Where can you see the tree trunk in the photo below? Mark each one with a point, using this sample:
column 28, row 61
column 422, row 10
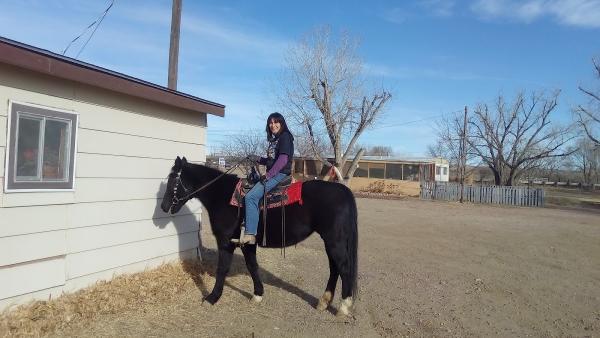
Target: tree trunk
column 353, row 166
column 513, row 176
column 497, row 176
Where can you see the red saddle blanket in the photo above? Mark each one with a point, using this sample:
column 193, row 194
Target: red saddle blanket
column 292, row 194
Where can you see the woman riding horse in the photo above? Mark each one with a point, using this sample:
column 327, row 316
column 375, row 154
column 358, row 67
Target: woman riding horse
column 279, row 167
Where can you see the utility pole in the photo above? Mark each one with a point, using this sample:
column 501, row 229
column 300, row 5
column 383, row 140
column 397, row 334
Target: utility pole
column 174, row 48
column 463, row 156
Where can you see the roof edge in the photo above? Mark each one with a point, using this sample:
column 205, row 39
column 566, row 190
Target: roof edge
column 43, row 61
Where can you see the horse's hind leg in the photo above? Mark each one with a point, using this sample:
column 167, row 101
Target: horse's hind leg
column 327, row 297
column 252, row 265
column 346, row 302
column 338, row 258
column 225, row 257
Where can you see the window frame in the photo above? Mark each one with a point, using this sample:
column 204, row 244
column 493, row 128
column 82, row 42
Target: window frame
column 11, row 185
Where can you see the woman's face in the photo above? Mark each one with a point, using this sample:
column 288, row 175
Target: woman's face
column 275, row 126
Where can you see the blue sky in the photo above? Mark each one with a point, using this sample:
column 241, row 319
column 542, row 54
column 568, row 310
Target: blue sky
column 436, row 56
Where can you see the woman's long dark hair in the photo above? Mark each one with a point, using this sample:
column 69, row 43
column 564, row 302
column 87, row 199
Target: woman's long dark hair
column 278, row 118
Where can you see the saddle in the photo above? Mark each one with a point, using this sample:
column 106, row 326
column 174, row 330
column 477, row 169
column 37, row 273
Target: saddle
column 286, row 192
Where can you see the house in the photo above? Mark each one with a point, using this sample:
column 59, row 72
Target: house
column 388, row 174
column 382, row 167
column 85, row 153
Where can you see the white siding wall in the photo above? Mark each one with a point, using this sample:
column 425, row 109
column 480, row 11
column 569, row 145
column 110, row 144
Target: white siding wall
column 51, row 242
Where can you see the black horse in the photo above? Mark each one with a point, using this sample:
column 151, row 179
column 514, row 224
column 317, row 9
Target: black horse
column 328, row 208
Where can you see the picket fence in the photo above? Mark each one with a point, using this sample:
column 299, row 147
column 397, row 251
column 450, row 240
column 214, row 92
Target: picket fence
column 518, row 196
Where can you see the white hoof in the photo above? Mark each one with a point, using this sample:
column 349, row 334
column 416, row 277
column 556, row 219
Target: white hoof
column 256, row 299
column 324, row 301
column 345, row 307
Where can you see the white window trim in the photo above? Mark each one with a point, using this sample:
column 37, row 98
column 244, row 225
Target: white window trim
column 8, row 147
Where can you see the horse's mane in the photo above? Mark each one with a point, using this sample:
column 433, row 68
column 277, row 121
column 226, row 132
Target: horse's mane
column 202, row 169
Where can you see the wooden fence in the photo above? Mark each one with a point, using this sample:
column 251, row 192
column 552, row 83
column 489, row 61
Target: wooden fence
column 518, row 196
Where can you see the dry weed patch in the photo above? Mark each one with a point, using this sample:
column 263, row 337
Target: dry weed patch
column 123, row 293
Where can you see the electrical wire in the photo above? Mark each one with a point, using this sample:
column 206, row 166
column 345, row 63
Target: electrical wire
column 238, row 132
column 96, row 23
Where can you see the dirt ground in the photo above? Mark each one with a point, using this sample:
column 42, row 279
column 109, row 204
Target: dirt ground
column 425, row 269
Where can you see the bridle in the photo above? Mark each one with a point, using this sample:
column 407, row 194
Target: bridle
column 179, row 182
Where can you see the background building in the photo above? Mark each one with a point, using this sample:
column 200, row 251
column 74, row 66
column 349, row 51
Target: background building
column 378, row 167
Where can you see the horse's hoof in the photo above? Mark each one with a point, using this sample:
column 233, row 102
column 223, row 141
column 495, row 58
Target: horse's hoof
column 324, row 301
column 256, row 299
column 209, row 300
column 344, row 310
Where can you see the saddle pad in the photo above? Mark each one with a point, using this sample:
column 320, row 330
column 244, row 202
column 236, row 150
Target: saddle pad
column 292, row 194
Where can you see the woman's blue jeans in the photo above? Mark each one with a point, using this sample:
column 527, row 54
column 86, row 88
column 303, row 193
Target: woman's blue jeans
column 253, row 198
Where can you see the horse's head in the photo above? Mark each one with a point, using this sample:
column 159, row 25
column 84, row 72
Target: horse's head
column 177, row 189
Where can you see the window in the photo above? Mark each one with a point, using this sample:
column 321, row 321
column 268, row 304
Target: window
column 313, row 167
column 393, row 171
column 298, row 166
column 376, row 170
column 437, row 170
column 41, row 149
column 445, row 170
column 410, row 172
column 362, row 170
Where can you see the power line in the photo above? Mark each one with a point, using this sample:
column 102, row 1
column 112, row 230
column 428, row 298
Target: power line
column 96, row 23
column 220, row 133
column 416, row 121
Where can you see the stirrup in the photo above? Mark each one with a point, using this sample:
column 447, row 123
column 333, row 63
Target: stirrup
column 244, row 238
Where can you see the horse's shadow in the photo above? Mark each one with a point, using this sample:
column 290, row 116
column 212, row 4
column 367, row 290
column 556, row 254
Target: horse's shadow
column 208, row 261
column 238, row 266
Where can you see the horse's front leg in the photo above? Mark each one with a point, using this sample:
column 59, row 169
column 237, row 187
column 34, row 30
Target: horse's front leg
column 225, row 257
column 252, row 265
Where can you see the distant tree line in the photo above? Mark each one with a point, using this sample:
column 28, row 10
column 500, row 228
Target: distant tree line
column 517, row 138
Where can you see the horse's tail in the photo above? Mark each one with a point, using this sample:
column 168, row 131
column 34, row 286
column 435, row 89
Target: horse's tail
column 353, row 245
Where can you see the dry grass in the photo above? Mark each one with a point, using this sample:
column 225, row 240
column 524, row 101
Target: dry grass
column 123, row 293
column 572, row 198
column 151, row 292
column 388, row 187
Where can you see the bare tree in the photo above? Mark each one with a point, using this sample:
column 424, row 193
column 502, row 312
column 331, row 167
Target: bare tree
column 588, row 117
column 513, row 137
column 305, row 145
column 448, row 137
column 240, row 145
column 586, row 160
column 451, row 145
column 379, row 151
column 322, row 89
column 435, row 150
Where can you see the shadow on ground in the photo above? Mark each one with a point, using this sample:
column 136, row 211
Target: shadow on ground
column 196, row 269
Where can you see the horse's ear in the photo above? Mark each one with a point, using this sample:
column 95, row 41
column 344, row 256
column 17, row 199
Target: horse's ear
column 177, row 162
column 184, row 161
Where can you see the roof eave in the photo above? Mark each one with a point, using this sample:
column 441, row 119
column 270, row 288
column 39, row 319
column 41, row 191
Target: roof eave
column 48, row 63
